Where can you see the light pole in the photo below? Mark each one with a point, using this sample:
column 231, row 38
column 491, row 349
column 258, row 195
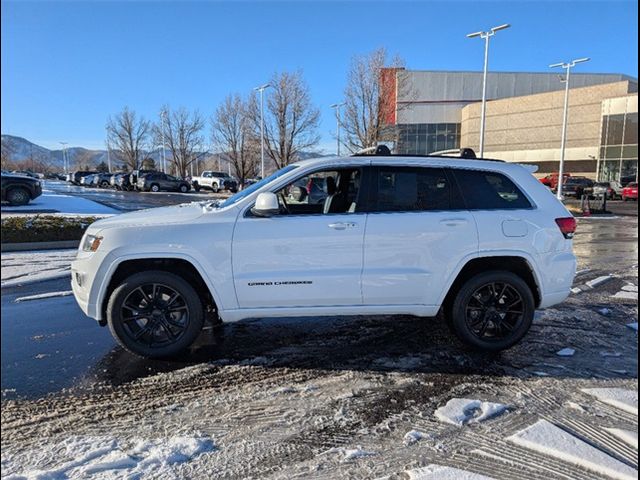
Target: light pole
column 261, row 89
column 109, row 156
column 163, row 115
column 64, row 157
column 563, row 143
column 486, row 36
column 337, row 106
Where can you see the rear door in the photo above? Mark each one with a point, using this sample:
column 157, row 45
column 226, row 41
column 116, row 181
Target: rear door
column 417, row 234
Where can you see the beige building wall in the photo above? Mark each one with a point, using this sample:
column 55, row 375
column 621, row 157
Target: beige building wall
column 529, row 128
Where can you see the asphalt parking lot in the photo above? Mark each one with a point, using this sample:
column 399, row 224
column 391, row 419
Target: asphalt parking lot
column 285, row 397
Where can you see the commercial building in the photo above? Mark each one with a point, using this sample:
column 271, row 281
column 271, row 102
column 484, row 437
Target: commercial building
column 432, row 111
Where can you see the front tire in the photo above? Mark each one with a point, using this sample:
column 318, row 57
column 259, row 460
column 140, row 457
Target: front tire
column 155, row 188
column 492, row 311
column 18, row 196
column 155, row 314
column 184, row 188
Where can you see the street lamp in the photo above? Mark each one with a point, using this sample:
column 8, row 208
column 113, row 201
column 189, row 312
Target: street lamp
column 65, row 163
column 163, row 115
column 261, row 89
column 337, row 106
column 567, row 66
column 486, row 36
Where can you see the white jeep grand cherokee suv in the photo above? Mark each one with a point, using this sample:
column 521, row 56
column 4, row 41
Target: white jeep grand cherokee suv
column 482, row 240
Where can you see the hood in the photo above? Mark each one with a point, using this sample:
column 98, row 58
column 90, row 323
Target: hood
column 183, row 213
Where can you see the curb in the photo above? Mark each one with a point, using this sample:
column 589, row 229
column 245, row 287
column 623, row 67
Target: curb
column 28, row 246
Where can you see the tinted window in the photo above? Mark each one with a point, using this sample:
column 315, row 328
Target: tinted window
column 489, row 190
column 403, row 189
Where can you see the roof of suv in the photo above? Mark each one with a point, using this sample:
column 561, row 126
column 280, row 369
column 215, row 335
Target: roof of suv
column 480, row 164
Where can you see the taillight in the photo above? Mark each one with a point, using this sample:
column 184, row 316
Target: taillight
column 567, row 226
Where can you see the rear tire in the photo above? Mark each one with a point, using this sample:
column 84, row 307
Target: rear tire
column 214, row 187
column 18, row 196
column 196, row 187
column 492, row 311
column 148, row 321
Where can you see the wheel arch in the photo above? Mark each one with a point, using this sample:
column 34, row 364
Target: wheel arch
column 514, row 263
column 184, row 267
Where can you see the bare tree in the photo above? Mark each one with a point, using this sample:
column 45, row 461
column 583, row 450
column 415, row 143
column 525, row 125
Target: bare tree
column 366, row 105
column 291, row 120
column 6, row 156
column 183, row 136
column 128, row 134
column 232, row 133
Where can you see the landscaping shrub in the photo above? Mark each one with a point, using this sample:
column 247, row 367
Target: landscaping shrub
column 43, row 228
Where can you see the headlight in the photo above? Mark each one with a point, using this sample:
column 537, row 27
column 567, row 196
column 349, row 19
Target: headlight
column 91, row 243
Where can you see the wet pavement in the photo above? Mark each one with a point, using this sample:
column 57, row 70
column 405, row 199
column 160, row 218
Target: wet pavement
column 49, row 345
column 129, row 201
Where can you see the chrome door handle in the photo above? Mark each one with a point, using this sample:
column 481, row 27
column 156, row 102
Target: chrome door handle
column 342, row 225
column 454, row 222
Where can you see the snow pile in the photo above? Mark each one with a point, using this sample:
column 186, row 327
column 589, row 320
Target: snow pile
column 42, row 296
column 633, row 326
column 108, row 458
column 415, row 436
column 596, row 282
column 621, row 398
column 545, row 438
column 566, row 352
column 625, row 295
column 20, row 268
column 349, row 454
column 53, row 202
column 461, row 411
column 439, row 472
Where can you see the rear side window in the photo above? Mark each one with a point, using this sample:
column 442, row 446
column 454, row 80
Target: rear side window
column 489, row 191
column 404, row 189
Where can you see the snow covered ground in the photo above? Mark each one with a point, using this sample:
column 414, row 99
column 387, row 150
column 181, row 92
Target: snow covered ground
column 51, row 201
column 20, row 268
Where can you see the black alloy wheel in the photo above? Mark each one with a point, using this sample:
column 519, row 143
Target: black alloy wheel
column 492, row 311
column 155, row 314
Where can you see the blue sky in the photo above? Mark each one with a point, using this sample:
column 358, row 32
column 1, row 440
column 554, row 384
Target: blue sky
column 66, row 66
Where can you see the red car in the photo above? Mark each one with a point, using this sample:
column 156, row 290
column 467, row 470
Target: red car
column 630, row 192
column 551, row 180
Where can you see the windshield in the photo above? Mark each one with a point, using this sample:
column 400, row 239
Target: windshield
column 256, row 186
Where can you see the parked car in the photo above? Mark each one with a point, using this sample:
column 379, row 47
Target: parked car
column 215, row 181
column 20, row 189
column 577, row 187
column 482, row 240
column 102, row 180
column 612, row 190
column 26, row 173
column 551, row 180
column 121, row 181
column 87, row 180
column 158, row 181
column 630, row 192
column 76, row 177
column 135, row 175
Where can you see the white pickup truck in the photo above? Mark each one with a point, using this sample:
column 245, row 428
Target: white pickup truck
column 215, row 181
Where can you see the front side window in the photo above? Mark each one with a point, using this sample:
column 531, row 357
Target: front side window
column 489, row 191
column 405, row 189
column 325, row 192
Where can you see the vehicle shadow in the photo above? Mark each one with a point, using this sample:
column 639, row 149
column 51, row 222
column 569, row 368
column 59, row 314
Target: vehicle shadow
column 604, row 348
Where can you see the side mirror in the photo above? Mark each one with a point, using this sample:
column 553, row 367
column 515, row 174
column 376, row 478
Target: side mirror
column 267, row 205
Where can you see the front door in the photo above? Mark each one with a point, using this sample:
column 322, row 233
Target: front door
column 311, row 253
